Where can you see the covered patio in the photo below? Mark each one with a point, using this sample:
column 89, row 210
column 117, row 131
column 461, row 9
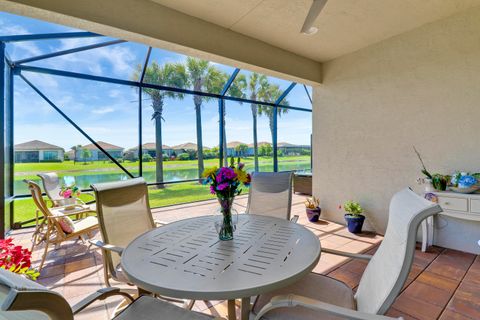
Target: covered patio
column 362, row 117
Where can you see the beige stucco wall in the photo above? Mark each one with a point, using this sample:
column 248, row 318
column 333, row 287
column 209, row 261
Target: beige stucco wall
column 420, row 88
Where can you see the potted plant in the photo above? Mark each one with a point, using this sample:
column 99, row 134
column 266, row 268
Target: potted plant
column 69, row 194
column 354, row 216
column 431, row 181
column 312, row 207
column 17, row 259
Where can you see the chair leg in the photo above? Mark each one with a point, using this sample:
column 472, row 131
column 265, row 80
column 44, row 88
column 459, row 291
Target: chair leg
column 188, row 304
column 44, row 256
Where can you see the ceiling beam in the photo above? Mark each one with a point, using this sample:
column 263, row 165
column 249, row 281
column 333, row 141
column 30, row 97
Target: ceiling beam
column 158, row 26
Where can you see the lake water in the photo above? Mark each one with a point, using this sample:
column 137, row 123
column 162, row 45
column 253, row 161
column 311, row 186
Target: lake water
column 84, row 181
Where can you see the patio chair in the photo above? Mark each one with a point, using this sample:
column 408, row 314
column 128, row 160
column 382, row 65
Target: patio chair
column 53, row 217
column 270, row 194
column 124, row 213
column 52, row 186
column 321, row 297
column 21, row 298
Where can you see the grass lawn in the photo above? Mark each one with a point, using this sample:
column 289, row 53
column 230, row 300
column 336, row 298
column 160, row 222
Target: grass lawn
column 24, row 209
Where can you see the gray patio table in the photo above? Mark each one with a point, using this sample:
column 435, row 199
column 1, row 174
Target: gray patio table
column 186, row 260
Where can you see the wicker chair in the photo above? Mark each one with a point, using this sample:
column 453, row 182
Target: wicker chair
column 22, row 299
column 320, row 297
column 124, row 213
column 270, row 194
column 50, row 230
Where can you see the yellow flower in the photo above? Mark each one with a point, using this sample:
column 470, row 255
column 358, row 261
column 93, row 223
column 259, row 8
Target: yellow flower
column 241, row 175
column 209, row 172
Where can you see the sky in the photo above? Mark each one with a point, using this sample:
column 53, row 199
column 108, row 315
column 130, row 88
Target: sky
column 109, row 112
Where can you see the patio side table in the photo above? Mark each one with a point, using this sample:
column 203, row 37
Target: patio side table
column 186, row 260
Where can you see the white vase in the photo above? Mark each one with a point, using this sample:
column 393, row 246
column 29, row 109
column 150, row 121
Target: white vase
column 428, row 185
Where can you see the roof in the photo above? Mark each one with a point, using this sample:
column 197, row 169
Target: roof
column 286, row 144
column 152, row 145
column 259, row 144
column 104, row 145
column 186, row 146
column 36, row 145
column 234, row 144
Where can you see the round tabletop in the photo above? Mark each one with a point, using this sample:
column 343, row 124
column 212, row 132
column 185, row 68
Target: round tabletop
column 185, row 259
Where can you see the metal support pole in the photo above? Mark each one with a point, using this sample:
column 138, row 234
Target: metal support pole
column 221, row 126
column 2, row 142
column 140, row 113
column 9, row 144
column 274, row 139
column 308, row 93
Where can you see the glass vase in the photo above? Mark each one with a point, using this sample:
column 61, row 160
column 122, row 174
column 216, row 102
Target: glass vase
column 226, row 225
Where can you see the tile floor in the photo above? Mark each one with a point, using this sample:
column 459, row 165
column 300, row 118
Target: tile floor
column 443, row 283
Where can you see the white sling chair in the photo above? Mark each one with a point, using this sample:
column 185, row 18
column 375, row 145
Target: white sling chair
column 22, row 299
column 270, row 194
column 380, row 284
column 52, row 186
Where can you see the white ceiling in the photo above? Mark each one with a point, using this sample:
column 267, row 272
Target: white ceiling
column 344, row 25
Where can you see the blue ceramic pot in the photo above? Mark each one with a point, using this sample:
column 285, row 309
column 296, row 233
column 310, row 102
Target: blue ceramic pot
column 313, row 214
column 354, row 223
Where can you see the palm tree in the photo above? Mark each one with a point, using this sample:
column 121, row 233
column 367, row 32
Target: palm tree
column 258, row 86
column 272, row 93
column 170, row 74
column 76, row 148
column 202, row 76
column 237, row 89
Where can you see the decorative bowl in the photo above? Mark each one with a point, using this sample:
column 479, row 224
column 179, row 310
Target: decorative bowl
column 471, row 189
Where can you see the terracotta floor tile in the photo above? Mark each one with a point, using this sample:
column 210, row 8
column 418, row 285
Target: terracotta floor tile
column 428, row 293
column 350, row 278
column 450, row 315
column 438, row 281
column 417, row 308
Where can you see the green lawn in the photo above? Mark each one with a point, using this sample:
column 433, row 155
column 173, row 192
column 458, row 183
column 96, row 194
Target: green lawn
column 24, row 209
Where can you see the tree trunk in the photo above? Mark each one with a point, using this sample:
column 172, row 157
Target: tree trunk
column 158, row 152
column 255, row 140
column 198, row 112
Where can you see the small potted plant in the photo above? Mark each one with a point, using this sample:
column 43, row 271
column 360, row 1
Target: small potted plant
column 431, row 181
column 69, row 194
column 354, row 216
column 312, row 207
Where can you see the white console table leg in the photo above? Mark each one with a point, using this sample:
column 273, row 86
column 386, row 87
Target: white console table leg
column 424, row 235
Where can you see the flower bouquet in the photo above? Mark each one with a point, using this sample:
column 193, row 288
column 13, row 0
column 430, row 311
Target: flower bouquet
column 16, row 259
column 69, row 194
column 226, row 183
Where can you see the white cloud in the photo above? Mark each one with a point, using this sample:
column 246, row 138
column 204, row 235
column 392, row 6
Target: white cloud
column 103, row 110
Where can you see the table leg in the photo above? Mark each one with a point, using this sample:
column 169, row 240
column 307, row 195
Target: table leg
column 424, row 235
column 245, row 308
column 231, row 310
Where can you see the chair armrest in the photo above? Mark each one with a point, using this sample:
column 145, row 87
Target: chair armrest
column 348, row 254
column 159, row 223
column 105, row 246
column 294, row 219
column 100, row 294
column 292, row 300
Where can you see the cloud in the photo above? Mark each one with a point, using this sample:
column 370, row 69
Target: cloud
column 103, row 110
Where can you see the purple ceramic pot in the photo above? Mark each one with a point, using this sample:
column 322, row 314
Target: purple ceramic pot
column 313, row 214
column 354, row 223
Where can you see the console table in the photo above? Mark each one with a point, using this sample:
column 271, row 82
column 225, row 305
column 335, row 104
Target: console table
column 458, row 226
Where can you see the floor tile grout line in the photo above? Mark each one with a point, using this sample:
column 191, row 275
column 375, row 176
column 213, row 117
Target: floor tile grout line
column 456, row 288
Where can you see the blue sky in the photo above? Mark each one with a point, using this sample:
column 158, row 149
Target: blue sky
column 109, row 112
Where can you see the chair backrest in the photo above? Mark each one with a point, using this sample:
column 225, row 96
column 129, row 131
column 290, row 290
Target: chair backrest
column 388, row 270
column 41, row 204
column 123, row 213
column 51, row 185
column 270, row 194
column 21, row 298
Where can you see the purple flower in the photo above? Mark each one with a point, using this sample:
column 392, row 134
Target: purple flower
column 222, row 186
column 225, row 173
column 212, row 189
column 241, row 165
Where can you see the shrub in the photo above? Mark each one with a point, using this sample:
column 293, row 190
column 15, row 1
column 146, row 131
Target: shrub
column 147, row 158
column 183, row 156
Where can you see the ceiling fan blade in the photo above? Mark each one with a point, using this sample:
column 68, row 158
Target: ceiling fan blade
column 312, row 15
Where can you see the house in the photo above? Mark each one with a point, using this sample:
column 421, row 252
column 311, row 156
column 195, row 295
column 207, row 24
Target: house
column 38, row 151
column 149, row 148
column 289, row 149
column 96, row 154
column 232, row 149
column 251, row 150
